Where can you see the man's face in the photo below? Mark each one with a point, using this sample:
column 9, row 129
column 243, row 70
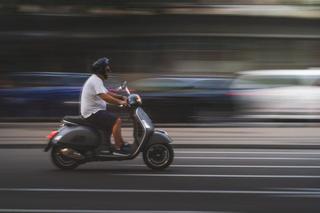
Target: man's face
column 107, row 70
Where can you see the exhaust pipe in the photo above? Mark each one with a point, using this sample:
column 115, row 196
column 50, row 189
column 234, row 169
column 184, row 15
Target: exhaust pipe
column 71, row 153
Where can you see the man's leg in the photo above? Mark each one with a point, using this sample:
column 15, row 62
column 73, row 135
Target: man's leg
column 108, row 122
column 116, row 132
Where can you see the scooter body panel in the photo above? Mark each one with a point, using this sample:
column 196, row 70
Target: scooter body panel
column 77, row 136
column 147, row 127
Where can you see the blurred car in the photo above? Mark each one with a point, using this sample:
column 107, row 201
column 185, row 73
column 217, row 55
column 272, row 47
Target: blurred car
column 39, row 102
column 50, row 96
column 278, row 94
column 43, row 95
column 48, row 79
column 185, row 99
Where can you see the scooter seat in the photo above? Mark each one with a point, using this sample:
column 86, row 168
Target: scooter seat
column 77, row 120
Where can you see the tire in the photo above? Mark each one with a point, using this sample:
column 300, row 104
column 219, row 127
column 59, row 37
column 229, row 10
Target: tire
column 62, row 162
column 158, row 156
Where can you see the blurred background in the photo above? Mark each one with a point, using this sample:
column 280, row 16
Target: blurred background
column 186, row 58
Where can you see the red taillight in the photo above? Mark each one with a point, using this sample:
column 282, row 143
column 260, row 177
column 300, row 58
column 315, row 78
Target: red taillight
column 52, row 134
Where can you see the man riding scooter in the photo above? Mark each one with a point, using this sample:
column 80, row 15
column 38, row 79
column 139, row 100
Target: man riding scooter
column 94, row 105
column 80, row 139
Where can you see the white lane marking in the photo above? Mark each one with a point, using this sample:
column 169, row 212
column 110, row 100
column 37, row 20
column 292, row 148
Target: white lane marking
column 219, row 176
column 298, row 189
column 249, row 158
column 231, row 166
column 100, row 211
column 263, row 192
column 246, row 152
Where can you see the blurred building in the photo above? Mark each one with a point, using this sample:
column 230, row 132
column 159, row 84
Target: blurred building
column 200, row 36
column 46, row 46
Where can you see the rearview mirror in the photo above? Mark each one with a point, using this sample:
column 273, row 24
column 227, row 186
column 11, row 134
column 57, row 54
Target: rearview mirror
column 123, row 85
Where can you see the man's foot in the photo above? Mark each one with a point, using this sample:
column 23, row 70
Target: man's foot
column 126, row 147
column 121, row 152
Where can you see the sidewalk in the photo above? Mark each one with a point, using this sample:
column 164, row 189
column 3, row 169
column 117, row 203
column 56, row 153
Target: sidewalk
column 33, row 135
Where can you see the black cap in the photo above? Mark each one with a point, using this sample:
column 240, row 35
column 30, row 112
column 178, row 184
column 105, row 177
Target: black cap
column 99, row 65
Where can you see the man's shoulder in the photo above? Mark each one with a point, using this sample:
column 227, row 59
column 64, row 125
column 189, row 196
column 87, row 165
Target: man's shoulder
column 93, row 79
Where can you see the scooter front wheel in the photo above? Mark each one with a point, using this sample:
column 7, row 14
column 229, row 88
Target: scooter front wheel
column 158, row 156
column 61, row 161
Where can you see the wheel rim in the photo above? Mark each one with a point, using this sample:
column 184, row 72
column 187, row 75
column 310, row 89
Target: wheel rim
column 63, row 160
column 158, row 155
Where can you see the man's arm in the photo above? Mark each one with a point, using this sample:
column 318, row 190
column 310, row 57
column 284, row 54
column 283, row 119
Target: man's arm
column 111, row 99
column 116, row 95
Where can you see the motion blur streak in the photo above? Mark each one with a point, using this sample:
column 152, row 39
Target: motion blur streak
column 177, row 53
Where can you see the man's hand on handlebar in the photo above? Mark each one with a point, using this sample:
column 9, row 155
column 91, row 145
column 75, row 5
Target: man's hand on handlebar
column 123, row 103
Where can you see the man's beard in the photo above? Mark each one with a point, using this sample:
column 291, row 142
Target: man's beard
column 105, row 76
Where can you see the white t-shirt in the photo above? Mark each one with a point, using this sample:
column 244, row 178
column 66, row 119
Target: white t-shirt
column 90, row 101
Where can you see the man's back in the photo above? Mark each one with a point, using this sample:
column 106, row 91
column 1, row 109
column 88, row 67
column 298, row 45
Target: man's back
column 90, row 101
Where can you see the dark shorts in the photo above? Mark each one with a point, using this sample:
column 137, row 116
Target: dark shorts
column 103, row 120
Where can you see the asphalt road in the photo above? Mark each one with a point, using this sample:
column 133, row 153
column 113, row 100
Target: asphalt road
column 200, row 180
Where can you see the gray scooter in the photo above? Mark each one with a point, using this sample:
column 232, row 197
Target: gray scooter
column 77, row 141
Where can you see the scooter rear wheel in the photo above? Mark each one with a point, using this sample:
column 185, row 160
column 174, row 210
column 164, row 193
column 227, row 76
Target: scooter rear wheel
column 62, row 162
column 158, row 156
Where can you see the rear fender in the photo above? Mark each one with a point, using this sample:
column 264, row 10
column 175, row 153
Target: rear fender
column 49, row 145
column 54, row 140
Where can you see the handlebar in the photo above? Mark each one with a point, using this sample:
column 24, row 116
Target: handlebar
column 123, row 85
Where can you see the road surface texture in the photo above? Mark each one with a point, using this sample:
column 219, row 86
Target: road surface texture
column 199, row 180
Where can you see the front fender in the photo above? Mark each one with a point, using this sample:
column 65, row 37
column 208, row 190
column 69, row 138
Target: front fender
column 160, row 136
